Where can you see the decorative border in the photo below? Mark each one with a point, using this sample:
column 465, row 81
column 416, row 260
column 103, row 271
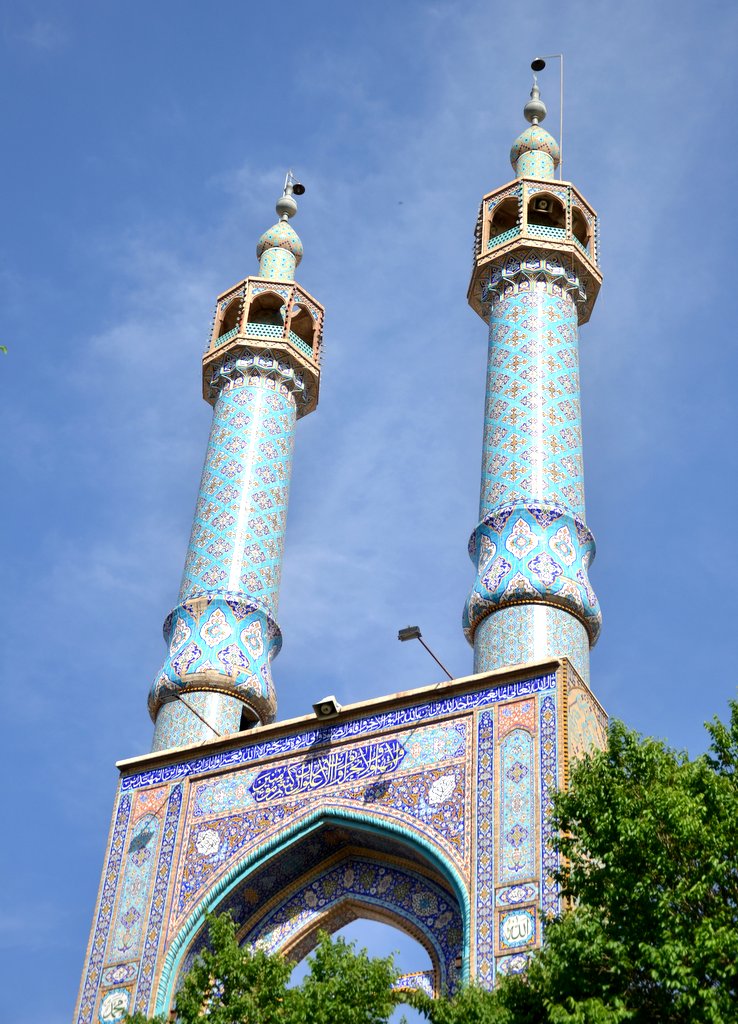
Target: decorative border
column 484, row 888
column 312, row 738
column 550, row 900
column 158, row 900
column 106, row 904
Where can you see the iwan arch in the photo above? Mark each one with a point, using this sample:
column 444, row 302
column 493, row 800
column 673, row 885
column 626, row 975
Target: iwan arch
column 429, row 809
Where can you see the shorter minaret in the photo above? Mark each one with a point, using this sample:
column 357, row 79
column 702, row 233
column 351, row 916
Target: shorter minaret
column 261, row 372
column 535, row 279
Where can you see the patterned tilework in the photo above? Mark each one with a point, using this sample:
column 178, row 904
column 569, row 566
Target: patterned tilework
column 277, row 264
column 532, row 445
column 106, row 903
column 225, row 622
column 322, row 736
column 517, row 832
column 281, row 236
column 399, row 893
column 535, row 153
column 238, row 531
column 154, row 936
column 174, row 721
column 417, row 779
column 550, row 901
column 526, row 553
column 587, row 724
column 532, row 544
column 525, row 632
column 422, row 981
column 484, row 882
column 264, row 886
column 134, row 890
column 419, row 809
column 517, row 928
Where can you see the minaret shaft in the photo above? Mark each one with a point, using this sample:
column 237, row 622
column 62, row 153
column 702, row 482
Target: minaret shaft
column 261, row 372
column 532, row 436
column 535, row 280
column 225, row 621
column 532, row 456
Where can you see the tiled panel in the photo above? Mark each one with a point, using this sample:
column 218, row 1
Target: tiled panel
column 532, row 446
column 526, row 632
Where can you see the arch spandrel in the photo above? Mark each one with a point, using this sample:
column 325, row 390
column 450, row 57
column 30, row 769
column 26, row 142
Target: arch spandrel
column 286, row 869
column 415, row 781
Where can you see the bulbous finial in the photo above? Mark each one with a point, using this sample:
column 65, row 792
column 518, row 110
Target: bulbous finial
column 279, row 249
column 535, row 109
column 535, row 153
column 286, row 207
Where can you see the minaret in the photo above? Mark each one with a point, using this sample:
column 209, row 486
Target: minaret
column 261, row 372
column 535, row 279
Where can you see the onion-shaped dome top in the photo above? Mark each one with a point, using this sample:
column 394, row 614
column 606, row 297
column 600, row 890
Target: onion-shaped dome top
column 535, row 140
column 280, row 236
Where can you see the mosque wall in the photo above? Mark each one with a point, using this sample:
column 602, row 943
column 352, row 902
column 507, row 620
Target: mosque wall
column 428, row 810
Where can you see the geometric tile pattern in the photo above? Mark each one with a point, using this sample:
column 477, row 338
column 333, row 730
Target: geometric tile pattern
column 90, row 991
column 134, row 890
column 587, row 723
column 230, row 640
column 532, row 544
column 535, row 153
column 532, row 446
column 426, row 790
column 550, row 900
column 517, row 834
column 154, row 925
column 174, row 720
column 311, row 739
column 529, row 553
column 485, row 851
column 410, row 896
column 525, row 632
column 238, row 531
column 225, row 622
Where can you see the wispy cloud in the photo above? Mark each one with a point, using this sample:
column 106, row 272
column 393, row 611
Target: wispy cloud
column 44, row 34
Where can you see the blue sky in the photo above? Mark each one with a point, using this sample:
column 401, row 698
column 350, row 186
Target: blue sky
column 144, row 147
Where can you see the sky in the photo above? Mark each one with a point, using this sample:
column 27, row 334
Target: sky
column 144, row 147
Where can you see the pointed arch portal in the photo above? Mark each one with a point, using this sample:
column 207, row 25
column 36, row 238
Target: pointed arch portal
column 333, row 868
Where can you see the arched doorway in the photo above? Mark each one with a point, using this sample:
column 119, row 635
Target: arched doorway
column 331, row 871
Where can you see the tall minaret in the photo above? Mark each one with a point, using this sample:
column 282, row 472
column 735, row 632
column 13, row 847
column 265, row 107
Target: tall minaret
column 261, row 372
column 535, row 279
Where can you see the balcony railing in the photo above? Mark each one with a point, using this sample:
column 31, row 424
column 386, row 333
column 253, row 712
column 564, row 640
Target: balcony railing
column 505, row 236
column 544, row 231
column 275, row 331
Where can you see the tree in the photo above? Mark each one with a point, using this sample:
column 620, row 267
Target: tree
column 232, row 984
column 650, row 839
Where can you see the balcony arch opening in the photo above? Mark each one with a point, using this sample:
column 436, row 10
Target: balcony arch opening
column 267, row 308
column 505, row 215
column 303, row 325
column 231, row 317
column 580, row 227
column 545, row 210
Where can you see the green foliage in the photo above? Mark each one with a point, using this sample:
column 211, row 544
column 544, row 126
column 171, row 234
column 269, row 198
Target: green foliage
column 231, row 984
column 651, row 840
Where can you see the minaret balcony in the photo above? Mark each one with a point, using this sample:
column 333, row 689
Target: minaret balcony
column 270, row 320
column 532, row 214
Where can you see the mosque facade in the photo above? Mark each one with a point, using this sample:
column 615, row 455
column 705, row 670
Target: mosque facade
column 428, row 809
